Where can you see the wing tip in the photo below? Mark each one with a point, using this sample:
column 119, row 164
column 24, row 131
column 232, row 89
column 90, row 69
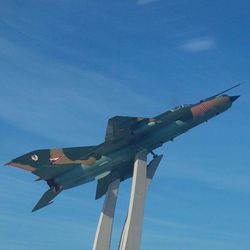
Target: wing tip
column 46, row 199
column 39, row 207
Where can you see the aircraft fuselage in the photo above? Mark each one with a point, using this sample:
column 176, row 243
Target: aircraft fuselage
column 161, row 129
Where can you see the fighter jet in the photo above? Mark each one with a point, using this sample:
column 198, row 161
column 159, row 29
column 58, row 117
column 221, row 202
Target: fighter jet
column 65, row 168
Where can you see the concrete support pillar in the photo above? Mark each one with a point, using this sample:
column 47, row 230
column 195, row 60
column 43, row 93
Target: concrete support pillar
column 132, row 230
column 104, row 228
column 131, row 238
column 152, row 167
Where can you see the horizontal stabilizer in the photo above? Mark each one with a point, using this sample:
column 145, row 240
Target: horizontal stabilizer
column 47, row 173
column 46, row 199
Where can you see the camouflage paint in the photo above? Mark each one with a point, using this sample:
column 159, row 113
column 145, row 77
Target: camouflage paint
column 204, row 107
column 65, row 168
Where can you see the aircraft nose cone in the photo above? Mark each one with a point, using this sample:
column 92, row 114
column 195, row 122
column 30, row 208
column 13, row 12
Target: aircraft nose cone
column 233, row 98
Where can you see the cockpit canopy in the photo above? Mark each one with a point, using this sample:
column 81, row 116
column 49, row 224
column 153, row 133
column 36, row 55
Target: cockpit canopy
column 179, row 107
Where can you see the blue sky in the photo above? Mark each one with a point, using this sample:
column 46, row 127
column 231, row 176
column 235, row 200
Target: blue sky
column 67, row 66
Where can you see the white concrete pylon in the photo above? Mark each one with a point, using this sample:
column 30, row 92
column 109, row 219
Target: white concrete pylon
column 131, row 238
column 151, row 169
column 105, row 224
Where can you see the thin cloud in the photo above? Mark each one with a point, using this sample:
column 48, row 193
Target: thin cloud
column 198, row 45
column 62, row 96
column 166, row 224
column 236, row 182
column 144, row 2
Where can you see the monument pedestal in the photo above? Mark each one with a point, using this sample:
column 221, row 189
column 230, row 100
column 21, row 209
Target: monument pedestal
column 132, row 231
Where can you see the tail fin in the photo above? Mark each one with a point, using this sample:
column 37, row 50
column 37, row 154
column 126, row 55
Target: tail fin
column 56, row 156
column 32, row 160
column 102, row 186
